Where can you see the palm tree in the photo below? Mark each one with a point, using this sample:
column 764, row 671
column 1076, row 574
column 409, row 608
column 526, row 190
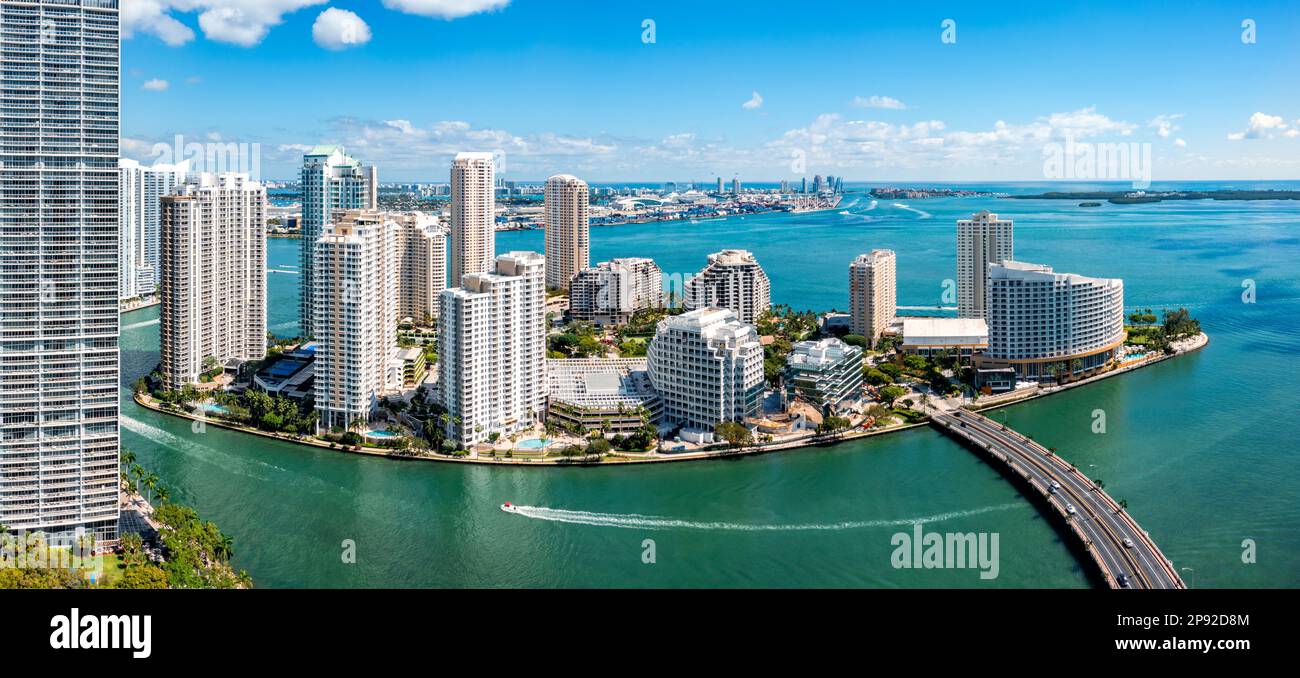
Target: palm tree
column 132, row 548
column 137, row 474
column 150, row 483
column 225, row 548
column 162, row 494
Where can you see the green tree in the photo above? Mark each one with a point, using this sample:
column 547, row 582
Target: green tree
column 889, row 394
column 147, row 576
column 877, row 377
column 736, row 435
column 856, row 340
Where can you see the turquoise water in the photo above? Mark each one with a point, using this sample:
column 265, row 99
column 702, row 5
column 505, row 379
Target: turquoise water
column 1204, row 448
column 214, row 408
column 532, row 444
column 380, row 434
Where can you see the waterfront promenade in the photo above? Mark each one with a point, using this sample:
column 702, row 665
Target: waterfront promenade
column 1122, row 551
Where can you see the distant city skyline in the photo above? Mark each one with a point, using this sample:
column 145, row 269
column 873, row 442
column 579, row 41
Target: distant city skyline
column 868, row 95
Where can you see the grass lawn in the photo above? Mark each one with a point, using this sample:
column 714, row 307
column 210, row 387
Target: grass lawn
column 112, row 570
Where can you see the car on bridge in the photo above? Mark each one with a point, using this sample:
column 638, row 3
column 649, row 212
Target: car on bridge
column 1069, row 508
column 1128, row 543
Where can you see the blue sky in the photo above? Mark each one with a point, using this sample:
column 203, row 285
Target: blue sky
column 762, row 90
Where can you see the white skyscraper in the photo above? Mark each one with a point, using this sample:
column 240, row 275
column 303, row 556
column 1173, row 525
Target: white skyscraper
column 473, row 215
column 59, row 383
column 356, row 315
column 1043, row 323
column 331, row 180
column 981, row 240
column 568, row 239
column 873, row 293
column 214, row 276
column 492, row 349
column 732, row 280
column 707, row 367
column 140, row 245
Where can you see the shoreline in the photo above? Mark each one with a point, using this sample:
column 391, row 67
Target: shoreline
column 624, row 458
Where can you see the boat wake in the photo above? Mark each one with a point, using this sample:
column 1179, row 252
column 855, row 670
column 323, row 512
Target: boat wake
column 923, row 213
column 633, row 521
column 136, row 326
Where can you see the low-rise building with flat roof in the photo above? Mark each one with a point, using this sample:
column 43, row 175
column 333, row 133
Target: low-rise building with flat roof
column 595, row 392
column 410, row 367
column 960, row 337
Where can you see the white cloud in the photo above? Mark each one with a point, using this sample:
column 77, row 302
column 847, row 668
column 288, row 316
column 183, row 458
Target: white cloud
column 445, row 9
column 1164, row 124
column 1262, row 126
column 754, row 102
column 1087, row 122
column 836, row 144
column 1180, row 143
column 406, row 147
column 149, row 16
column 156, row 85
column 238, row 22
column 877, row 101
column 339, row 29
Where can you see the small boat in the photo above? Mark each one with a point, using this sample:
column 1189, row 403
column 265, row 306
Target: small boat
column 509, row 508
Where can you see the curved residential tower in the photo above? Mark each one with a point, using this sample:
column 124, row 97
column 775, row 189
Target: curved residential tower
column 1052, row 325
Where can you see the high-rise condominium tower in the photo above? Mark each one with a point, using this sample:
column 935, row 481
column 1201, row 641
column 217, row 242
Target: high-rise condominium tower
column 473, row 215
column 356, row 315
column 732, row 280
column 421, row 267
column 492, row 349
column 873, row 293
column 613, row 291
column 214, row 276
column 568, row 239
column 59, row 381
column 331, row 180
column 139, row 248
column 981, row 240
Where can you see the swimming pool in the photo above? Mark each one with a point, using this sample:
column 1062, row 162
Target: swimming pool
column 380, row 434
column 533, row 444
column 214, row 408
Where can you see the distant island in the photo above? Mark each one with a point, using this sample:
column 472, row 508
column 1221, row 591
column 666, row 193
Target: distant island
column 894, row 193
column 1137, row 197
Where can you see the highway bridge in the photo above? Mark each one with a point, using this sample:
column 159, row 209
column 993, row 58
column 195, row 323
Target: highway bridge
column 1125, row 555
